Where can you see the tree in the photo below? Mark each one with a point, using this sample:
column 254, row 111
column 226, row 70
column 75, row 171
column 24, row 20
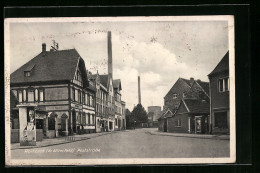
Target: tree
column 129, row 119
column 139, row 114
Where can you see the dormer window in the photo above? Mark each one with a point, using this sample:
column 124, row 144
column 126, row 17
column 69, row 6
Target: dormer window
column 27, row 73
column 28, row 70
column 174, row 95
column 184, row 95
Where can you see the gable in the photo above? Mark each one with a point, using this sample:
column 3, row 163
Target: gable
column 178, row 88
column 182, row 108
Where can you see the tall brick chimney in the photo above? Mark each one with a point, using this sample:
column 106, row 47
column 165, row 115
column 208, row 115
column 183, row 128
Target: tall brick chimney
column 109, row 51
column 139, row 90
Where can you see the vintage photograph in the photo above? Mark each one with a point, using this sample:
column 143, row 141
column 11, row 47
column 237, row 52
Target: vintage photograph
column 120, row 90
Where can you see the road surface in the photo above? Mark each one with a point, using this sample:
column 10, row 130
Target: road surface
column 130, row 144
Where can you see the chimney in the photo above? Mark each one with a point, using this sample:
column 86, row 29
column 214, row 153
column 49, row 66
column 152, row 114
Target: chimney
column 43, row 47
column 109, row 51
column 139, row 90
column 191, row 80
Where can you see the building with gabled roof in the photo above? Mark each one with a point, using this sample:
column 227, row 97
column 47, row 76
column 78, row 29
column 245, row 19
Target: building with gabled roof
column 190, row 91
column 56, row 82
column 219, row 94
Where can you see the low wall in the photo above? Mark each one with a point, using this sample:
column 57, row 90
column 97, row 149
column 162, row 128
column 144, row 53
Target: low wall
column 51, row 133
column 15, row 135
column 39, row 134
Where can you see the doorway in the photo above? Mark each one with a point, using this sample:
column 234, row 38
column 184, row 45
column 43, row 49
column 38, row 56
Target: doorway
column 165, row 125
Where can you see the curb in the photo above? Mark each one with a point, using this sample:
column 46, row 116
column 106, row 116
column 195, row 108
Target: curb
column 213, row 137
column 47, row 145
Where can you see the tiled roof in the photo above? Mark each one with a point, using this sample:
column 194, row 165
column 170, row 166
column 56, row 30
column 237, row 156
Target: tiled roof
column 92, row 76
column 179, row 86
column 104, row 80
column 204, row 86
column 50, row 66
column 117, row 84
column 197, row 106
column 187, row 81
column 223, row 65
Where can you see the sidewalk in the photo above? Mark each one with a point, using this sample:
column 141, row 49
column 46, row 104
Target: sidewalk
column 200, row 136
column 62, row 140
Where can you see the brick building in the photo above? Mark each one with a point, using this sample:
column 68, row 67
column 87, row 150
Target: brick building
column 219, row 94
column 189, row 112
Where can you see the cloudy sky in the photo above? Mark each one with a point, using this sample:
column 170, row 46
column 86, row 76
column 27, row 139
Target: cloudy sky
column 159, row 51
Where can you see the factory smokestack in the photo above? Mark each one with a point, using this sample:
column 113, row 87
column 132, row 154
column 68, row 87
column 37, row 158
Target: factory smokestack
column 109, row 51
column 139, row 90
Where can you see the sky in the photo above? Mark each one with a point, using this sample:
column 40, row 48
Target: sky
column 159, row 51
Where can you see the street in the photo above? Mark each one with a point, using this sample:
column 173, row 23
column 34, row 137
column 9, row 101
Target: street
column 136, row 143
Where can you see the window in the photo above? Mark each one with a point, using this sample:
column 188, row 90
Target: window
column 184, row 95
column 76, row 95
column 223, row 84
column 36, row 94
column 27, row 73
column 88, row 101
column 84, row 118
column 91, row 104
column 174, row 95
column 79, row 95
column 83, row 98
column 73, row 94
column 116, row 121
column 24, row 95
column 93, row 119
column 30, row 95
column 20, row 96
column 178, row 123
column 41, row 95
column 89, row 118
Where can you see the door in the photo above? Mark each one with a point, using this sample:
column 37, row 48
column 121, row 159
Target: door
column 165, row 125
column 74, row 121
column 198, row 125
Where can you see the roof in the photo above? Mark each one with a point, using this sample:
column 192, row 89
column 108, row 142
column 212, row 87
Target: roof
column 223, row 65
column 165, row 114
column 187, row 81
column 117, row 84
column 204, row 86
column 196, row 106
column 179, row 86
column 51, row 66
column 104, row 80
column 92, row 76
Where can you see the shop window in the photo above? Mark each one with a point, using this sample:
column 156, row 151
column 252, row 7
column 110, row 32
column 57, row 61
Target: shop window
column 221, row 119
column 51, row 123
